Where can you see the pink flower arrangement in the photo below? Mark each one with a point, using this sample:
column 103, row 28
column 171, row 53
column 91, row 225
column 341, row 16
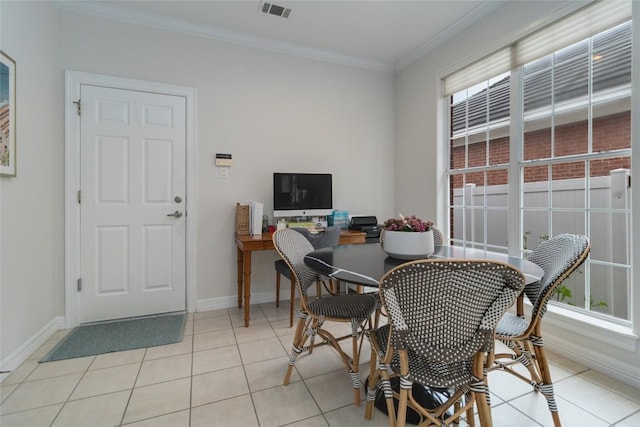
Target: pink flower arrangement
column 407, row 223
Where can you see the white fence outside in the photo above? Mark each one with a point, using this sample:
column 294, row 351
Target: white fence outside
column 606, row 277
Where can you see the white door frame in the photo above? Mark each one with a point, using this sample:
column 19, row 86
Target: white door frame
column 73, row 81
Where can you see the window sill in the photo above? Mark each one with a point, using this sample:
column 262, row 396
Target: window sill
column 593, row 328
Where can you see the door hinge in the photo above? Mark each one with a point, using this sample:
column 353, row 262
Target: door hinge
column 79, row 284
column 79, row 196
column 78, row 106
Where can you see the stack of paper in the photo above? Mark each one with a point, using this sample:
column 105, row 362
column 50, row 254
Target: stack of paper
column 255, row 210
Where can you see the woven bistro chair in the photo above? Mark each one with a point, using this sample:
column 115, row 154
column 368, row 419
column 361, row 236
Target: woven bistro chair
column 353, row 309
column 328, row 238
column 558, row 257
column 438, row 239
column 442, row 316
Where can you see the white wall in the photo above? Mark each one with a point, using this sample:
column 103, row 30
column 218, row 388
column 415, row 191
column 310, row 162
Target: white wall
column 31, row 215
column 420, row 125
column 272, row 112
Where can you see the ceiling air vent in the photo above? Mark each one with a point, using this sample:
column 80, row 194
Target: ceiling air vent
column 274, row 9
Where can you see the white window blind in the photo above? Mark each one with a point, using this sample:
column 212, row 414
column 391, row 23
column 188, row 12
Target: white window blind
column 580, row 25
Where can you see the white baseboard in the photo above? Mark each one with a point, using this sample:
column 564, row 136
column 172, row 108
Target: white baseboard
column 25, row 351
column 591, row 358
column 232, row 301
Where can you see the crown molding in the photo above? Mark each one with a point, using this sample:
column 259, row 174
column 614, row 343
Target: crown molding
column 467, row 20
column 122, row 14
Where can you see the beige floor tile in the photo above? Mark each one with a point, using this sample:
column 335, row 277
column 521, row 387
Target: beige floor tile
column 232, row 412
column 615, row 386
column 632, row 421
column 216, row 359
column 158, row 399
column 257, row 351
column 39, row 417
column 333, row 390
column 352, row 415
column 21, row 372
column 505, row 415
column 256, row 316
column 296, row 403
column 535, row 406
column 61, row 333
column 506, row 386
column 177, row 419
column 34, row 394
column 211, row 313
column 322, row 361
column 268, row 373
column 44, row 349
column 560, row 371
column 254, row 333
column 117, row 358
column 165, row 369
column 6, row 390
column 209, row 340
column 317, row 421
column 284, row 331
column 183, row 347
column 564, row 363
column 60, row 367
column 108, row 380
column 237, row 379
column 273, row 313
column 211, row 324
column 219, row 385
column 188, row 328
column 99, row 411
column 606, row 405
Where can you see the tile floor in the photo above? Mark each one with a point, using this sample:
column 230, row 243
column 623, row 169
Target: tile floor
column 223, row 374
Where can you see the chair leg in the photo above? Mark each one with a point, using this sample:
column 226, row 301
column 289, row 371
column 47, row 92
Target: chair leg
column 355, row 366
column 484, row 411
column 372, row 384
column 546, row 385
column 403, row 398
column 297, row 347
column 480, row 392
column 292, row 301
column 277, row 289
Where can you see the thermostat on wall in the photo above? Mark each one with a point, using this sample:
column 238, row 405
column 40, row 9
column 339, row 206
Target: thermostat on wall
column 223, row 159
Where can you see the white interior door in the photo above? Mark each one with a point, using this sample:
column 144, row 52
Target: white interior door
column 132, row 216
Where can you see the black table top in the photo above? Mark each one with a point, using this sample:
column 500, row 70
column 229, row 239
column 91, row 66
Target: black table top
column 365, row 264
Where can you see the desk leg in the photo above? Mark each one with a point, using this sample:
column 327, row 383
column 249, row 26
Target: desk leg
column 240, row 262
column 247, row 285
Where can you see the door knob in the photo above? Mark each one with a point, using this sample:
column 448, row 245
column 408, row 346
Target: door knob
column 176, row 214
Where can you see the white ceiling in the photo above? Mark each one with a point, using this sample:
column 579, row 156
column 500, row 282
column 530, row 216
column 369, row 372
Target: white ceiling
column 382, row 35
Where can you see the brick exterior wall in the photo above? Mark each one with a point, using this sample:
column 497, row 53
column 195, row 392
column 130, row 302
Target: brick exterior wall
column 609, row 133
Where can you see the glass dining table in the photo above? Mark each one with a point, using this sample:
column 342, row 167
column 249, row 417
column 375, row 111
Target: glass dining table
column 365, row 264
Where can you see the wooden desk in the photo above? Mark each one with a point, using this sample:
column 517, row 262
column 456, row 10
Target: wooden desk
column 246, row 244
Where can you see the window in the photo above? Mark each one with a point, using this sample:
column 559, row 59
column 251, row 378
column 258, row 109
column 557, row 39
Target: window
column 569, row 129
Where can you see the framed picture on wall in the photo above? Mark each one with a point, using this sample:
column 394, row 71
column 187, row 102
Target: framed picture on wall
column 7, row 115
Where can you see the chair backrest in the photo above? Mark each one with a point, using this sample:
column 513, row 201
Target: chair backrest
column 292, row 246
column 558, row 257
column 328, row 238
column 437, row 236
column 447, row 310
